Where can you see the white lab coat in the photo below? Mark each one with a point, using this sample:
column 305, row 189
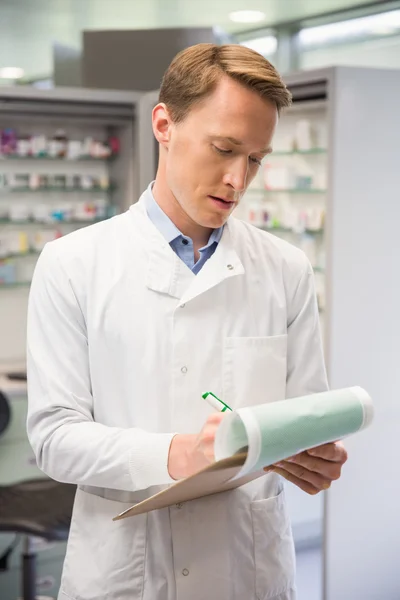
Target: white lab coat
column 122, row 341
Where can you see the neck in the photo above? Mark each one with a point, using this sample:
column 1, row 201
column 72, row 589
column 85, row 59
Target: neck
column 169, row 204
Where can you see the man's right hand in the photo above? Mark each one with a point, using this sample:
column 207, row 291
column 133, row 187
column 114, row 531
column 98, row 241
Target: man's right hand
column 192, row 452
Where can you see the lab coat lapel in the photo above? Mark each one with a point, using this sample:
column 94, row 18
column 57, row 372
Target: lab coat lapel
column 223, row 264
column 166, row 272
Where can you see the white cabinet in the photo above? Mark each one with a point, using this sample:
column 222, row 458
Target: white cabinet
column 355, row 172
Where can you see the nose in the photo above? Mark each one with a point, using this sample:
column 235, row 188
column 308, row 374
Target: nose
column 236, row 174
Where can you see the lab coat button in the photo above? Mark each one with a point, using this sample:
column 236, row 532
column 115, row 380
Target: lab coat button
column 230, row 267
column 185, row 572
column 179, row 505
column 184, row 369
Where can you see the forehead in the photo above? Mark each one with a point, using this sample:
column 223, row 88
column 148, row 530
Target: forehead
column 232, row 104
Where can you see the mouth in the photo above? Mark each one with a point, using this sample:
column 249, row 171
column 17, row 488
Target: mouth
column 222, row 202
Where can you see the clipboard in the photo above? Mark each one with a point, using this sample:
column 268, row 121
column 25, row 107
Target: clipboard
column 217, row 477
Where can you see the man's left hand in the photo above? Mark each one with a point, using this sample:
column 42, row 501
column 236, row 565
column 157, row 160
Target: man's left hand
column 313, row 470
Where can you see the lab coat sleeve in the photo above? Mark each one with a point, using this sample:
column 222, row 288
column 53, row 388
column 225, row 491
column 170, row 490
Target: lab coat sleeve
column 306, row 373
column 69, row 445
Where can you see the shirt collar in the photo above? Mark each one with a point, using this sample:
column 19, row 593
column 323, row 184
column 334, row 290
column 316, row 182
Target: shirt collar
column 164, row 224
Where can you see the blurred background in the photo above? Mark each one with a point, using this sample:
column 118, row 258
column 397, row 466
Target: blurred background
column 78, row 81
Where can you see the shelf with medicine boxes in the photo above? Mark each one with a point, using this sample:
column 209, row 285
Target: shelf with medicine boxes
column 56, row 145
column 305, row 190
column 53, row 223
column 59, row 183
column 13, row 157
column 18, row 255
column 14, row 285
column 50, row 210
column 305, row 152
column 293, row 232
column 20, row 248
column 288, row 196
column 58, row 190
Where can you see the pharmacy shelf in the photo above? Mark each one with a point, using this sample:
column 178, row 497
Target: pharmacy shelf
column 291, row 231
column 16, row 255
column 11, row 157
column 286, row 191
column 58, row 190
column 16, row 284
column 53, row 223
column 311, row 152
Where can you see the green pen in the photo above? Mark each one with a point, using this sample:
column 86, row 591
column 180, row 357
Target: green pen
column 215, row 402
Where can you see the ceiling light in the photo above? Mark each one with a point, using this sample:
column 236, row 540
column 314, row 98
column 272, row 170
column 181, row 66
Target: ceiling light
column 247, row 16
column 264, row 45
column 11, row 73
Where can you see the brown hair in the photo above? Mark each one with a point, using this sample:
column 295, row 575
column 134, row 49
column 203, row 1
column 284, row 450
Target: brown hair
column 195, row 71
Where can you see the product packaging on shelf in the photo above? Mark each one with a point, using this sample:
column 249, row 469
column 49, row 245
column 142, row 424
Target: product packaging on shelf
column 305, row 135
column 60, row 146
column 19, row 212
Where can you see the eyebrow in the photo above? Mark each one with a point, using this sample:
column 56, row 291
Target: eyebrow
column 236, row 142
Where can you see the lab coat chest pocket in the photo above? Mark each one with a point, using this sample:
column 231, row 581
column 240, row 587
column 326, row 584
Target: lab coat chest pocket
column 273, row 549
column 254, row 370
column 105, row 559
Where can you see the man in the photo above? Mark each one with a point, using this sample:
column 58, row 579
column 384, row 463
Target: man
column 131, row 320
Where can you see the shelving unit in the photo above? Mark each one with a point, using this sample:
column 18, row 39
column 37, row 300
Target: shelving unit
column 11, row 157
column 15, row 285
column 266, row 191
column 308, row 152
column 288, row 196
column 31, row 217
column 55, row 223
column 356, row 279
column 57, row 190
column 283, row 230
column 52, row 184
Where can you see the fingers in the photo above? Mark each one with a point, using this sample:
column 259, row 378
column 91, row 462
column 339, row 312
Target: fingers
column 206, row 438
column 215, row 417
column 316, row 480
column 334, row 452
column 327, row 469
column 315, row 469
column 304, row 485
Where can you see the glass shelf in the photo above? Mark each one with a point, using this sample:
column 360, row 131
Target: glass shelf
column 291, row 231
column 287, row 191
column 9, row 157
column 58, row 190
column 299, row 152
column 16, row 284
column 53, row 223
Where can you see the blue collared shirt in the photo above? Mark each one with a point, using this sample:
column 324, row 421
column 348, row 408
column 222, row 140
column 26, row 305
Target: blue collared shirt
column 181, row 244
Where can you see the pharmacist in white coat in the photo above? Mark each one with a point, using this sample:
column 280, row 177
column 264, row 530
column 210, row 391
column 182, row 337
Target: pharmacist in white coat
column 131, row 320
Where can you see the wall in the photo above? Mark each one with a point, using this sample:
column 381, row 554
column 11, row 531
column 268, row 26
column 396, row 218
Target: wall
column 362, row 545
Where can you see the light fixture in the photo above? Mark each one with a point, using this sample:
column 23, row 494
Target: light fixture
column 11, row 73
column 247, row 16
column 266, row 45
column 382, row 23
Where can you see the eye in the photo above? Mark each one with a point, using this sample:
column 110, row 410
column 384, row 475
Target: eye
column 255, row 161
column 221, row 150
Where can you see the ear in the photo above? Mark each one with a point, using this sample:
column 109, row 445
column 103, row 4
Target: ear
column 161, row 124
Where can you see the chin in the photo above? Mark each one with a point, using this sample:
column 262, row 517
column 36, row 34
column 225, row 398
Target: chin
column 214, row 222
